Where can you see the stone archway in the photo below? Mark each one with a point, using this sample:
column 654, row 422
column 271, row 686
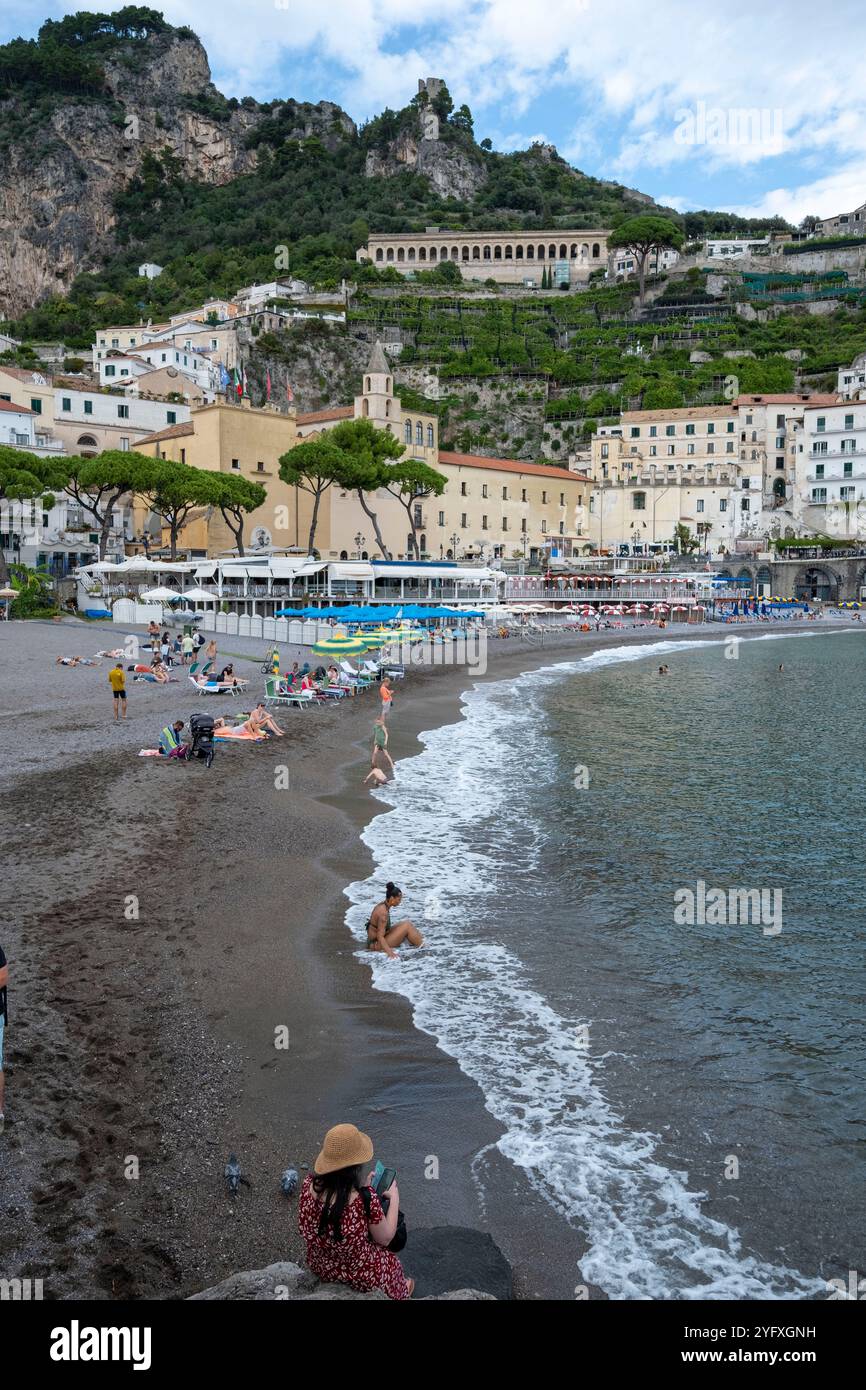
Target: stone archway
column 817, row 583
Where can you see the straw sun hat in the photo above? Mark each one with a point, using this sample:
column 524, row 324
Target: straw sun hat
column 344, row 1147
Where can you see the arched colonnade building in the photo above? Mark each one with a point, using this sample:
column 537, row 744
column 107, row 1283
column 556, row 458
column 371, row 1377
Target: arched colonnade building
column 510, row 257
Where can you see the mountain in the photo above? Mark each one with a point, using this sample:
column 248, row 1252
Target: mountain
column 116, row 148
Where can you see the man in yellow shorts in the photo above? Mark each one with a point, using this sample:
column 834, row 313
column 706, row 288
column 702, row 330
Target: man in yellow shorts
column 117, row 681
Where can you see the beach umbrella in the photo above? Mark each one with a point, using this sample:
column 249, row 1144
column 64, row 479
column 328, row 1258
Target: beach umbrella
column 160, row 595
column 199, row 596
column 340, row 645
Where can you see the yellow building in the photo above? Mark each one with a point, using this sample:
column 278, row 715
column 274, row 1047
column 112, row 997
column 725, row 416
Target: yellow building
column 247, row 443
column 498, row 508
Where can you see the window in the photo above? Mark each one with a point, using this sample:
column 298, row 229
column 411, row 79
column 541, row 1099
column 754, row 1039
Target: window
column 653, row 431
column 638, row 501
column 484, row 523
column 124, row 444
column 847, row 469
column 849, row 446
column 562, row 528
column 748, row 419
column 523, row 495
column 407, row 431
column 849, row 422
column 483, row 489
column 523, row 526
column 819, row 446
column 88, row 407
column 419, row 433
column 66, row 403
column 729, row 447
column 690, row 429
column 562, row 499
column 653, row 451
column 711, row 429
column 846, row 494
column 745, row 504
column 430, row 439
column 111, row 371
column 819, row 470
column 820, row 423
column 819, row 494
column 780, row 462
column 463, row 493
column 463, row 522
column 690, row 448
column 260, row 467
column 441, row 518
column 670, row 430
column 730, row 427
column 672, row 448
column 711, row 448
column 543, row 495
column 723, row 504
column 700, row 504
column 183, row 455
column 171, row 417
column 123, row 412
column 505, row 494
column 605, row 450
column 634, row 432
column 505, row 523
column 236, row 463
column 544, row 528
column 780, row 422
column 36, row 405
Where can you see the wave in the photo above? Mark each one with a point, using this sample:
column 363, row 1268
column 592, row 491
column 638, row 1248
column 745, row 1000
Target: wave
column 453, row 803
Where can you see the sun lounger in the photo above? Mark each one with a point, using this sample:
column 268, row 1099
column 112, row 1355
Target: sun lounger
column 213, row 688
column 355, row 677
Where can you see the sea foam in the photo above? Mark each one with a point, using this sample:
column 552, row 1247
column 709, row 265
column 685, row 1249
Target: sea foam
column 452, row 841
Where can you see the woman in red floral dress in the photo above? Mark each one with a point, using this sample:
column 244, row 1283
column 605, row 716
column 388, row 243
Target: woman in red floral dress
column 345, row 1233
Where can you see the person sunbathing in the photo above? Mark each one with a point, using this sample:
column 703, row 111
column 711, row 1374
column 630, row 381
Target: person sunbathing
column 261, row 721
column 74, row 661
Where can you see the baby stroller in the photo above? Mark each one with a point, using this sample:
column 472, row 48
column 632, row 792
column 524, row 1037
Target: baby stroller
column 201, row 727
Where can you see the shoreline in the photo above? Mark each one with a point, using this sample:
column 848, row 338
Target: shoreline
column 249, row 938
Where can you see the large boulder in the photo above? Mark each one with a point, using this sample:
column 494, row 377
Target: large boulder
column 287, row 1281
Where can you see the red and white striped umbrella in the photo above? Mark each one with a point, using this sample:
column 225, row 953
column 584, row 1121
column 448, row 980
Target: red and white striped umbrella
column 660, row 608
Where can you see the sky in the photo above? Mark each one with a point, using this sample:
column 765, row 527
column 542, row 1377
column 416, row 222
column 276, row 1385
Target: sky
column 756, row 109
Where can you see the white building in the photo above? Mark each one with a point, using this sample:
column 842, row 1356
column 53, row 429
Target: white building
column 20, row 429
column 851, row 381
column 728, row 248
column 770, row 432
column 843, row 224
column 90, row 421
column 149, row 271
column 118, row 368
column 831, row 470
column 624, row 261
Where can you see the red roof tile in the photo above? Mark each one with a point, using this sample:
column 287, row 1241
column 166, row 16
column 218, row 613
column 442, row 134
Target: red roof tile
column 337, row 412
column 541, row 470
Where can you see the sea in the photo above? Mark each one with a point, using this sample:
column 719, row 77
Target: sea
column 681, row 1083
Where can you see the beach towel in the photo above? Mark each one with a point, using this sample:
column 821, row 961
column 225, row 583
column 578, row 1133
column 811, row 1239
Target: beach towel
column 239, row 734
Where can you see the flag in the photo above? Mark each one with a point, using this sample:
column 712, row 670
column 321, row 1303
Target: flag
column 243, row 391
column 268, row 385
column 225, row 379
column 290, row 395
column 239, row 385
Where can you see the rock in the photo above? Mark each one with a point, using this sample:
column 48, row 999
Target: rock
column 286, row 1281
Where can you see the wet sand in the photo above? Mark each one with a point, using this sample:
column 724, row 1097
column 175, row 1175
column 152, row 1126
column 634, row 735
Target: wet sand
column 141, row 1049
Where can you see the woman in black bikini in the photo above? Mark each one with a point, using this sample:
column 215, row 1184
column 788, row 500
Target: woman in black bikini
column 381, row 935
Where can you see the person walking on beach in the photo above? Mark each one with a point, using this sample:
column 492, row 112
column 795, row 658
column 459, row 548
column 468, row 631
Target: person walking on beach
column 387, row 696
column 186, row 648
column 344, row 1223
column 381, row 934
column 4, row 981
column 117, row 681
column 379, row 756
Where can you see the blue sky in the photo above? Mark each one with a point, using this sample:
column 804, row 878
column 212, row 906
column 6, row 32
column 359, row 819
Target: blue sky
column 758, row 109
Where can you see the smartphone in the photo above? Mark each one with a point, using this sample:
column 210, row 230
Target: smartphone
column 383, row 1178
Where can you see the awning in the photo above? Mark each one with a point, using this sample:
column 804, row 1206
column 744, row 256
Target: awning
column 293, row 567
column 357, row 569
column 398, row 570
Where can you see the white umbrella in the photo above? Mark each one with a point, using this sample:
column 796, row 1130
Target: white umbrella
column 199, row 596
column 159, row 595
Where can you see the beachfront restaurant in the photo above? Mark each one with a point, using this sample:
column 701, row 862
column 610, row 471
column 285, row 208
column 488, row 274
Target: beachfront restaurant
column 256, row 586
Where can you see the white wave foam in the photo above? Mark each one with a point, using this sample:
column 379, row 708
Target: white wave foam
column 452, row 841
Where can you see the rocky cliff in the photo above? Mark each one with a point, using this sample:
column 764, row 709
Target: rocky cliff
column 62, row 168
column 453, row 172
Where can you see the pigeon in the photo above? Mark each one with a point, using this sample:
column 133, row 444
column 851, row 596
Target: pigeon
column 234, row 1176
column 289, row 1182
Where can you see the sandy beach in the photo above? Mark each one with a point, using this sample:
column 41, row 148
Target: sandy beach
column 141, row 1038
